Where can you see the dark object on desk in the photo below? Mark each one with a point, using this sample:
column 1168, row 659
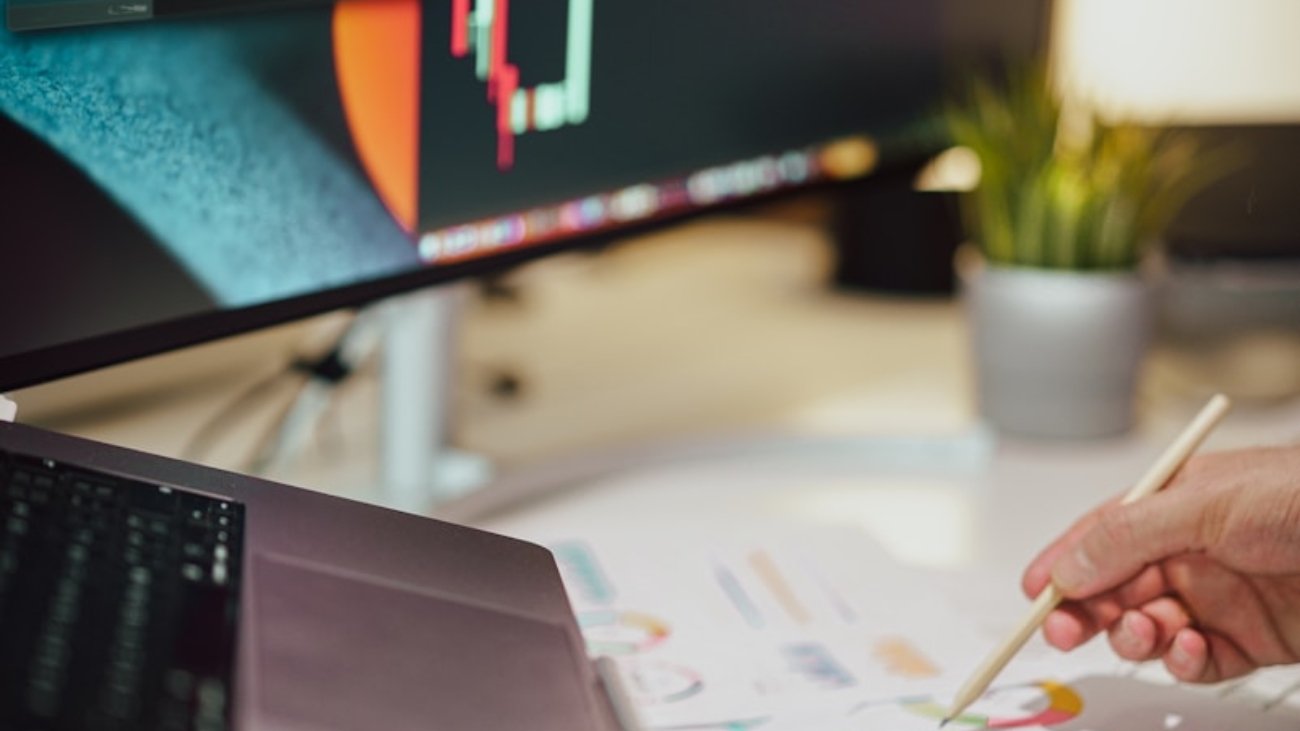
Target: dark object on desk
column 1233, row 253
column 1254, row 211
column 894, row 239
column 1213, row 299
column 349, row 616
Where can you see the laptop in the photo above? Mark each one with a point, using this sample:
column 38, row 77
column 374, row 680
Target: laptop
column 138, row 592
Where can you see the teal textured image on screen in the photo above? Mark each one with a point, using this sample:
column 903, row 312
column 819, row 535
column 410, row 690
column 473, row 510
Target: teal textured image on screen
column 223, row 138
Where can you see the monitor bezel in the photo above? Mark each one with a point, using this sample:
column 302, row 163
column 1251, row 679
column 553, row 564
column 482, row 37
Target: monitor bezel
column 45, row 365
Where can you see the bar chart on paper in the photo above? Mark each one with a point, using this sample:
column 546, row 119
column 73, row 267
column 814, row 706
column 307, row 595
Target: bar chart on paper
column 823, row 632
column 755, row 635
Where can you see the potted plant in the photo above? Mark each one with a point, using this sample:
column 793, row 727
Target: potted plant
column 1060, row 224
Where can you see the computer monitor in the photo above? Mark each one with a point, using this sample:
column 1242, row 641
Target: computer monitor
column 179, row 180
column 174, row 181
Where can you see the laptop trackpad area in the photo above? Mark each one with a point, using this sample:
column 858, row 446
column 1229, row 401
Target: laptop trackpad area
column 336, row 651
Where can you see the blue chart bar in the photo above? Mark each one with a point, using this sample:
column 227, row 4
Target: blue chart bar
column 736, row 593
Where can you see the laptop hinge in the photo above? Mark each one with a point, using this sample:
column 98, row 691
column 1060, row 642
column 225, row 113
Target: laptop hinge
column 8, row 409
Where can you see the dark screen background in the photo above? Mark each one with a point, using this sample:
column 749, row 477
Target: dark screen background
column 677, row 85
column 175, row 181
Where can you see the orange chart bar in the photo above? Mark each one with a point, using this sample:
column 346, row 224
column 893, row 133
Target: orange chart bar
column 767, row 570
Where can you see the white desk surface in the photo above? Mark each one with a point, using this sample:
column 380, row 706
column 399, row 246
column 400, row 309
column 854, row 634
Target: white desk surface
column 706, row 374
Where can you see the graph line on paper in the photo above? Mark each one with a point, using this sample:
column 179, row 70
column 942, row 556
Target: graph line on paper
column 841, row 605
column 582, row 572
column 744, row 724
column 661, row 682
column 902, row 659
column 610, row 632
column 1024, row 705
column 815, row 663
column 776, row 583
column 739, row 598
column 481, row 28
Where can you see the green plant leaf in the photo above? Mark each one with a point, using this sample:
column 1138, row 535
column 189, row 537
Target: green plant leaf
column 1086, row 198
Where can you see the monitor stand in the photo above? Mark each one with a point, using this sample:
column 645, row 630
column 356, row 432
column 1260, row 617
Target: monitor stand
column 418, row 468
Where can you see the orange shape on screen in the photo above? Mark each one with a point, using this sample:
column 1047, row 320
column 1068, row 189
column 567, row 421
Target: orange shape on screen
column 377, row 60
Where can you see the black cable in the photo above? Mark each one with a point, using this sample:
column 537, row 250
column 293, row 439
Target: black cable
column 211, row 430
column 331, row 368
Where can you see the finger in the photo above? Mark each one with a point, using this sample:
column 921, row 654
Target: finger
column 1075, row 622
column 1147, row 633
column 1134, row 637
column 1168, row 617
column 1188, row 658
column 1126, row 538
column 1196, row 657
column 1108, row 608
column 1068, row 627
column 1227, row 605
column 1039, row 572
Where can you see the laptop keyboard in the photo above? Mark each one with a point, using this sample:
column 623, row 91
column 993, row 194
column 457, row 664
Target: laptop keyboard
column 118, row 601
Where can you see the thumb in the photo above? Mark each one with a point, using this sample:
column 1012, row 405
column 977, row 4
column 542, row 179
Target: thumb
column 1126, row 538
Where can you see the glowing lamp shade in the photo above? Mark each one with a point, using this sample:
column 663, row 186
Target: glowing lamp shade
column 1180, row 61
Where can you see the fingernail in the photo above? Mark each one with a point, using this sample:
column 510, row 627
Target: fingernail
column 1073, row 570
column 1128, row 633
column 1178, row 653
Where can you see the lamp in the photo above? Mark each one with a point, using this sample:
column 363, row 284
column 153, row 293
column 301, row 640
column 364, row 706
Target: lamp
column 1229, row 68
column 1180, row 61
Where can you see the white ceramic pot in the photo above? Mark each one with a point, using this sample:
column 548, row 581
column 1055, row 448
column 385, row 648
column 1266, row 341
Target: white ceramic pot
column 1057, row 353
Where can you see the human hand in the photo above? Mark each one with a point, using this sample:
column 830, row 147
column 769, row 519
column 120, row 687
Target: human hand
column 1204, row 574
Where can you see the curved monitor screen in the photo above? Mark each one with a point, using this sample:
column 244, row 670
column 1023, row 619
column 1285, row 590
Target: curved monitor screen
column 176, row 180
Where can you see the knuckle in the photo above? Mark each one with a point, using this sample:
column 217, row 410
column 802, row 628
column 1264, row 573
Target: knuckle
column 1113, row 534
column 1215, row 521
